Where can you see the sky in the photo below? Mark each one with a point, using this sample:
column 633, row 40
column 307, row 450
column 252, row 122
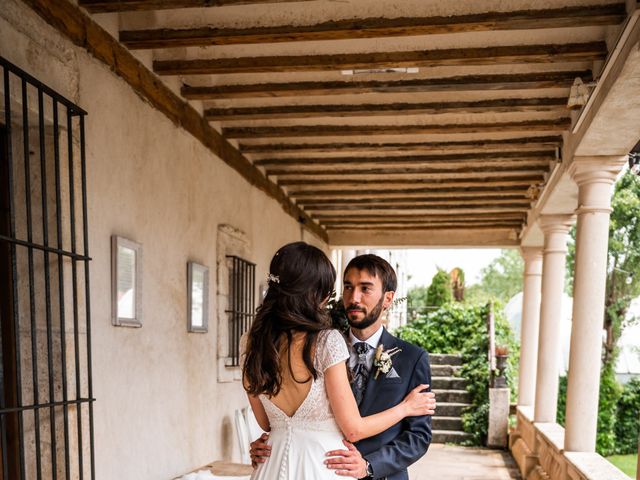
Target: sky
column 423, row 264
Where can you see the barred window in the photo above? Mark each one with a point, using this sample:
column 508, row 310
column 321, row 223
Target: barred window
column 242, row 279
column 46, row 396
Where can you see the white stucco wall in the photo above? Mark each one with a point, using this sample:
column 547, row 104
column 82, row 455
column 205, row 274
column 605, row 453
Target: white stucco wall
column 160, row 410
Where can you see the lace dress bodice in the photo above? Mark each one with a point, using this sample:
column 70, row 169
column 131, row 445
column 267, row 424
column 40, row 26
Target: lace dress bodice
column 299, row 442
column 314, row 413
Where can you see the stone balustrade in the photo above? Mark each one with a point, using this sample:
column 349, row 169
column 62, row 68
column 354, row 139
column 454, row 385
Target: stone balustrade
column 538, row 449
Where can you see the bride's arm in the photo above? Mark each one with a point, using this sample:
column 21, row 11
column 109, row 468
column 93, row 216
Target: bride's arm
column 260, row 414
column 345, row 409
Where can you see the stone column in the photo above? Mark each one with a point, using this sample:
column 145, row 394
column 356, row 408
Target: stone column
column 595, row 177
column 555, row 228
column 529, row 325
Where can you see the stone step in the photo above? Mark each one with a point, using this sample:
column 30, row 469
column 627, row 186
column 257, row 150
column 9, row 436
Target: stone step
column 450, row 409
column 449, row 436
column 446, row 423
column 452, row 396
column 445, row 359
column 444, row 370
column 448, row 383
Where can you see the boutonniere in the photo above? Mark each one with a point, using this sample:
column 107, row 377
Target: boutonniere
column 382, row 360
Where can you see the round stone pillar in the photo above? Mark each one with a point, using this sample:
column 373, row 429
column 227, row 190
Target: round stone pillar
column 595, row 177
column 556, row 229
column 529, row 325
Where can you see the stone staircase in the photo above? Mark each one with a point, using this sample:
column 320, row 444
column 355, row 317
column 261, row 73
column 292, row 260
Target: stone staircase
column 452, row 398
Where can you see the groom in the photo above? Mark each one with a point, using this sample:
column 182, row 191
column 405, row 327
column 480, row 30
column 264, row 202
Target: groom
column 369, row 286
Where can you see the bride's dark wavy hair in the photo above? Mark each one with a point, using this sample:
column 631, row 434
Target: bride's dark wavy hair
column 301, row 278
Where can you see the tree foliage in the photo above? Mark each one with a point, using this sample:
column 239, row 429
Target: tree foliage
column 439, row 292
column 462, row 329
column 500, row 280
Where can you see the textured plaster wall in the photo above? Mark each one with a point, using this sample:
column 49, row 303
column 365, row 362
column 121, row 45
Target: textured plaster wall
column 160, row 410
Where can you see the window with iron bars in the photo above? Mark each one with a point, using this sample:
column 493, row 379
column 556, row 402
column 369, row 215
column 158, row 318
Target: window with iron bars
column 46, row 396
column 241, row 311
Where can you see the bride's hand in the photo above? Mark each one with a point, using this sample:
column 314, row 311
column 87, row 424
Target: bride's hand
column 418, row 402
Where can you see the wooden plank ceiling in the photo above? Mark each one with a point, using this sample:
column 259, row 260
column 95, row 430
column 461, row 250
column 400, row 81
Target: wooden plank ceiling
column 304, row 90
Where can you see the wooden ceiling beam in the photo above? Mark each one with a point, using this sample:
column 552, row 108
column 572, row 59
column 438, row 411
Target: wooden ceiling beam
column 497, row 105
column 472, row 145
column 433, row 190
column 567, row 17
column 434, row 202
column 462, row 83
column 549, row 53
column 382, row 184
column 550, row 125
column 409, row 173
column 496, row 237
column 426, row 214
column 468, row 226
column 407, row 207
column 416, row 159
column 454, row 169
column 457, row 213
column 109, row 6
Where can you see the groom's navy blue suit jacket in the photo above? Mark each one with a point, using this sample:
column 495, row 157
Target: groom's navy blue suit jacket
column 392, row 451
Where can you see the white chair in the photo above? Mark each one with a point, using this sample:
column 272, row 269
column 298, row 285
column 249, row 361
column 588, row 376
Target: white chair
column 252, row 424
column 243, row 436
column 247, row 430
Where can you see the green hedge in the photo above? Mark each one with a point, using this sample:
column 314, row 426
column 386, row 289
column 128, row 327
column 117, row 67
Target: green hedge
column 628, row 418
column 618, row 414
column 462, row 329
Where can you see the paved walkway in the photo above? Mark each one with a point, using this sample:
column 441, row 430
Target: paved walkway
column 449, row 462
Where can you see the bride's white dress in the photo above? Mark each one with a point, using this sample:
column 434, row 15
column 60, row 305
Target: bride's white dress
column 299, row 443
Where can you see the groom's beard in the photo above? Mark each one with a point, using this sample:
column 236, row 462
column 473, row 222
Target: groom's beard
column 369, row 318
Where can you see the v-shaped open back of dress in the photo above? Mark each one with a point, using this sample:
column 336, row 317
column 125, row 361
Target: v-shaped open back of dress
column 299, row 442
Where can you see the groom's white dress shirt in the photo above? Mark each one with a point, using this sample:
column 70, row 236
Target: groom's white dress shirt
column 373, row 341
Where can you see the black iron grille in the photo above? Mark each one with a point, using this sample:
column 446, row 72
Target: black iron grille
column 242, row 279
column 46, row 397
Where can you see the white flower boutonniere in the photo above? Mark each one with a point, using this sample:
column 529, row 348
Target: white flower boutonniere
column 382, row 360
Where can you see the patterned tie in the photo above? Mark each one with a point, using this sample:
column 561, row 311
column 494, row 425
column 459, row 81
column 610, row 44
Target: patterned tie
column 360, row 371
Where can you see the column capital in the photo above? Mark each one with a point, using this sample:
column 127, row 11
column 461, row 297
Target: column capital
column 532, row 260
column 595, row 177
column 600, row 169
column 556, row 229
column 556, row 223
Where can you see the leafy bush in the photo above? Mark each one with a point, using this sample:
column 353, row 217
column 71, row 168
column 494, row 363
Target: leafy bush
column 462, row 329
column 607, row 441
column 628, row 418
column 610, row 392
column 439, row 292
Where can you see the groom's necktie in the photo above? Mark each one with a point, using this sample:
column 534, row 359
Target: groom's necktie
column 361, row 370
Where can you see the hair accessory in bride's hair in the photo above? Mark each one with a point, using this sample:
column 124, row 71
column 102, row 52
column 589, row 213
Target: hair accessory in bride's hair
column 273, row 278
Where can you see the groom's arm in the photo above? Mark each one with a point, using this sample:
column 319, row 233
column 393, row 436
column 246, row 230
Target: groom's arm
column 414, row 441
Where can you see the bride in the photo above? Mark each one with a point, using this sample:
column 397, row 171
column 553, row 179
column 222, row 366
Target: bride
column 295, row 372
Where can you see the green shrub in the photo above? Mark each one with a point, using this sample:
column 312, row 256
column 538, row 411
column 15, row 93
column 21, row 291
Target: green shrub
column 628, row 418
column 439, row 292
column 462, row 329
column 610, row 392
column 608, row 411
column 562, row 401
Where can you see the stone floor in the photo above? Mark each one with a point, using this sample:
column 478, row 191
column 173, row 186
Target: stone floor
column 451, row 462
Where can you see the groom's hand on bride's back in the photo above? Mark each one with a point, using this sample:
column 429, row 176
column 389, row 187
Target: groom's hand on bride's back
column 348, row 463
column 260, row 450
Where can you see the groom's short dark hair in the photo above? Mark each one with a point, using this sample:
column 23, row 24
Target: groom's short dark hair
column 377, row 267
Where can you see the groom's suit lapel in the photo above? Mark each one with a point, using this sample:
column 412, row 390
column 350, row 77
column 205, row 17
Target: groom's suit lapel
column 373, row 384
